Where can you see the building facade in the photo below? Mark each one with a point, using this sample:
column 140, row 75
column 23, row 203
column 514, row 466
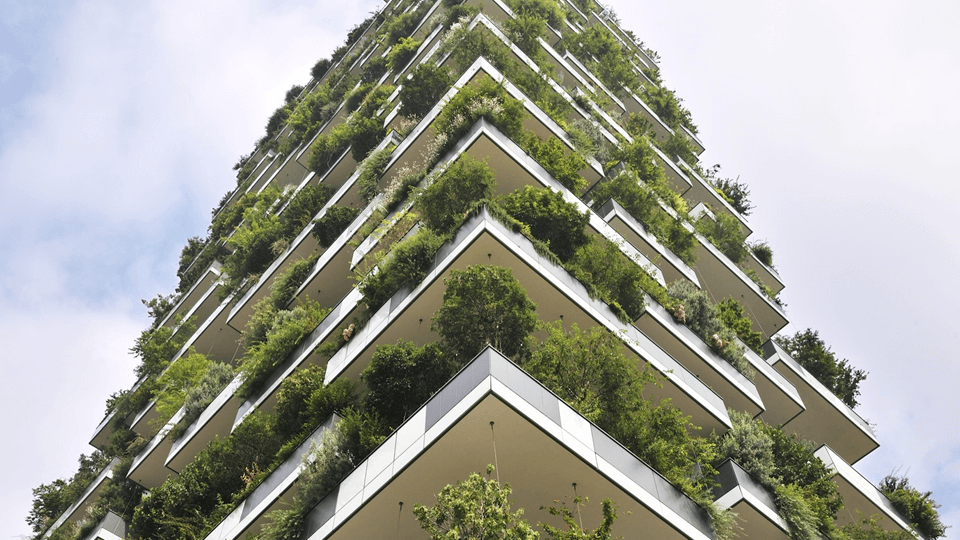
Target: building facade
column 314, row 375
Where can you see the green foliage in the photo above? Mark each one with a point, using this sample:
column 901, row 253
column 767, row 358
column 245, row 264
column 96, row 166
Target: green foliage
column 481, row 98
column 356, row 97
column 700, row 314
column 287, row 331
column 285, row 286
column 156, row 347
column 302, row 207
column 524, row 31
column 668, row 107
column 402, row 377
column 736, row 193
column 374, row 69
column 447, row 200
column 421, row 91
column 677, row 146
column 732, row 316
column 815, row 356
column 918, row 508
column 334, row 221
column 574, row 530
column 484, row 305
column 157, row 308
column 368, row 184
column 600, row 50
column 320, row 68
column 407, row 264
column 551, row 219
column 400, row 26
column 763, row 252
column 613, row 277
column 254, row 242
column 748, row 444
column 564, row 166
column 402, row 53
column 303, row 402
column 176, row 381
column 205, row 390
column 796, row 512
column 476, row 509
column 328, row 147
column 365, row 134
column 724, row 233
column 51, row 500
column 797, row 464
column 869, row 529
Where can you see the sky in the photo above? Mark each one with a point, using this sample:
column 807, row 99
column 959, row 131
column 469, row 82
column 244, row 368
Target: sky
column 120, row 123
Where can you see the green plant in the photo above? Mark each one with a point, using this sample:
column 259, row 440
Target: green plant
column 303, row 401
column 172, row 387
column 575, row 530
column 815, row 356
column 475, row 508
column 700, row 314
column 299, row 212
column 356, row 97
column 368, row 184
column 484, row 305
column 732, row 316
column 365, row 134
column 869, row 529
column 763, row 252
column 402, row 53
column 919, row 508
column 332, row 224
column 216, row 377
column 564, row 166
column 51, row 500
column 724, row 233
column 320, row 68
column 157, row 308
column 613, row 277
column 155, row 348
column 407, row 265
column 402, row 377
column 551, row 219
column 445, row 202
column 287, row 331
column 736, row 193
column 328, row 147
column 421, row 91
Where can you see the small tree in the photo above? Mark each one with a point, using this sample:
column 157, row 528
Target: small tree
column 484, row 305
column 575, row 530
column 402, row 377
column 426, row 85
column 550, row 218
column 474, row 509
column 815, row 356
column 917, row 507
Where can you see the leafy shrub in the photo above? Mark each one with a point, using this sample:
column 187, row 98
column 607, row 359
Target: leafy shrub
column 374, row 69
column 421, row 91
column 407, row 265
column 551, row 219
column 613, row 277
column 445, row 202
column 524, row 30
column 320, row 68
column 700, row 314
column 668, row 107
column 302, row 207
column 253, row 242
column 328, row 147
column 402, row 53
column 214, row 380
column 51, row 500
column 336, row 220
column 293, row 93
column 172, row 387
column 732, row 316
column 763, row 252
column 155, row 348
column 288, row 330
column 400, row 26
column 484, row 305
column 796, row 512
column 481, row 98
column 304, row 402
column 355, row 98
column 365, row 134
column 563, row 166
column 285, row 286
column 736, row 193
column 724, row 233
column 870, row 529
column 402, row 377
column 368, row 184
column 815, row 356
column 748, row 444
column 598, row 49
column 917, row 507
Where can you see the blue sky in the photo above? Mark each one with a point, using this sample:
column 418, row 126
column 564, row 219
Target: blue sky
column 120, row 122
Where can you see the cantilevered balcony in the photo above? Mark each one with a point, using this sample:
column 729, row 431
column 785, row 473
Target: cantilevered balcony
column 543, row 448
column 216, row 421
column 77, row 511
column 826, row 419
column 738, row 392
column 754, row 505
column 103, row 433
column 701, row 191
column 275, row 492
column 781, row 399
column 558, row 296
column 860, row 497
column 723, row 279
column 111, row 527
column 147, row 468
column 633, row 231
column 199, row 301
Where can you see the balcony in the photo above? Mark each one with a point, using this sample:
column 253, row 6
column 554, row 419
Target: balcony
column 688, row 349
column 780, row 397
column 148, row 468
column 275, row 492
column 754, row 505
column 77, row 511
column 215, row 421
column 826, row 419
column 196, row 301
column 860, row 496
column 633, row 231
column 483, row 240
column 543, row 447
column 111, row 527
column 702, row 192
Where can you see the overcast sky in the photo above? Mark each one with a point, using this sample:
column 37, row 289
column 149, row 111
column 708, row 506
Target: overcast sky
column 120, row 121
